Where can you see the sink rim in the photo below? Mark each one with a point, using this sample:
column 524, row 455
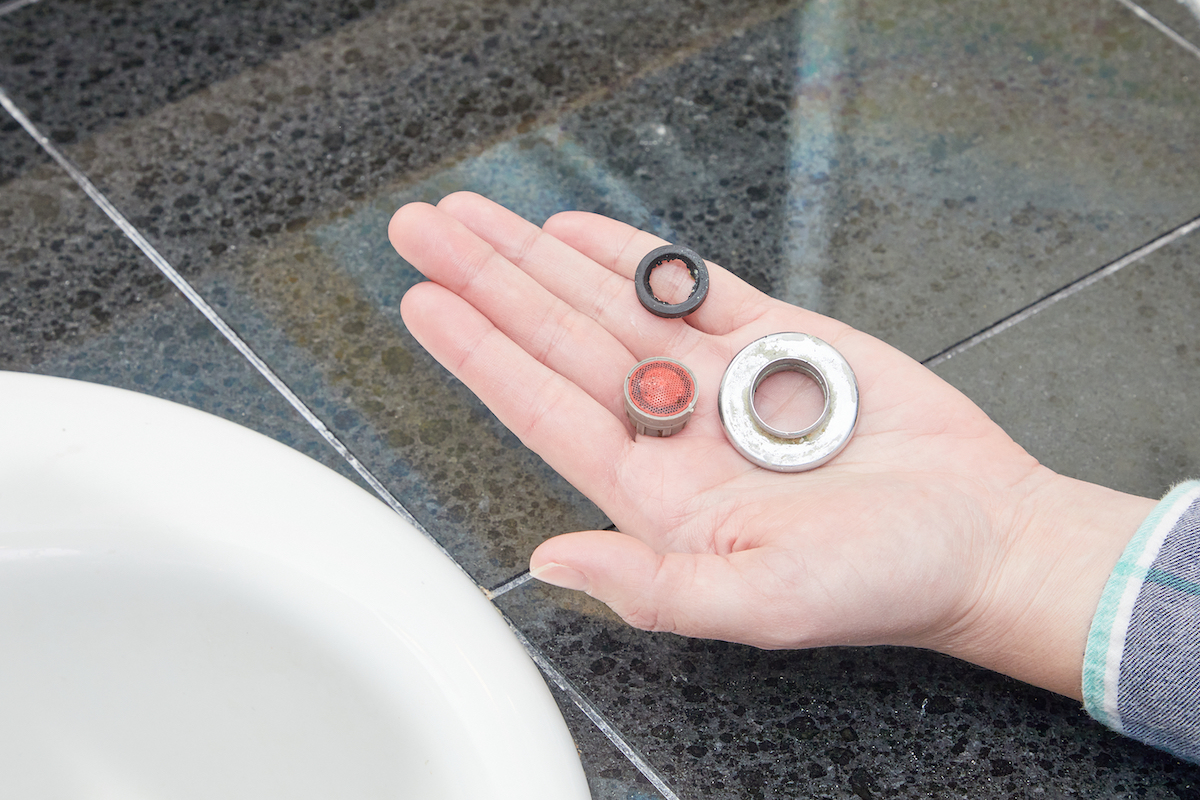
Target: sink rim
column 115, row 457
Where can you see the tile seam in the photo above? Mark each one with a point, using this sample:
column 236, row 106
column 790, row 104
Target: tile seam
column 597, row 718
column 15, row 5
column 1063, row 293
column 1161, row 26
column 201, row 305
column 508, row 585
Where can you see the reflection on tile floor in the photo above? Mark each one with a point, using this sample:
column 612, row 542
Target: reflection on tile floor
column 919, row 170
column 1086, row 363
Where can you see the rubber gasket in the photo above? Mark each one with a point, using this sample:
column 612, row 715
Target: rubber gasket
column 695, row 267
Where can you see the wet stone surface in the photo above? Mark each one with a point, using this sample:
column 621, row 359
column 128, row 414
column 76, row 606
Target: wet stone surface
column 919, row 171
column 802, row 147
column 880, row 164
column 240, row 184
column 611, row 776
column 724, row 720
column 1111, row 401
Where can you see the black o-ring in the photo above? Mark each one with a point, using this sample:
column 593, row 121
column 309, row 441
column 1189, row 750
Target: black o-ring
column 661, row 255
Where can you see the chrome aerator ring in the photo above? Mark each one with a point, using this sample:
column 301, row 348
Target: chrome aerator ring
column 780, row 450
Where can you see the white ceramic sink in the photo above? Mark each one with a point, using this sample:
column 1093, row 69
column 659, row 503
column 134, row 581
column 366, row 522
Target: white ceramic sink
column 189, row 609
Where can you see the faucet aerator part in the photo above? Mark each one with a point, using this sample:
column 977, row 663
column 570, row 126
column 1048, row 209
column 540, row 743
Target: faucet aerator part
column 769, row 447
column 660, row 396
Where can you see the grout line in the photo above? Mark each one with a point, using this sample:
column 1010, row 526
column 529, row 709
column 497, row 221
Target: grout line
column 522, row 579
column 14, row 5
column 506, row 587
column 592, row 713
column 213, row 317
column 597, row 718
column 1146, row 16
column 1062, row 294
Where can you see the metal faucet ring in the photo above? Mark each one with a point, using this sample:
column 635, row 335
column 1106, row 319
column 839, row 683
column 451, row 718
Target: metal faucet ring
column 770, row 447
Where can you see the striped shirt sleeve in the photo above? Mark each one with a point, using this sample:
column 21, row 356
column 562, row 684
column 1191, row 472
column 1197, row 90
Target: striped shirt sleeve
column 1141, row 671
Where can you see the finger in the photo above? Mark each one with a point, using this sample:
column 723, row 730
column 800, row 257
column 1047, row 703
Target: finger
column 577, row 436
column 703, row 595
column 593, row 290
column 619, row 247
column 568, row 342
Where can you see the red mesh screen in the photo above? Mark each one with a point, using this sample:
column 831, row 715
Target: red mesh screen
column 661, row 388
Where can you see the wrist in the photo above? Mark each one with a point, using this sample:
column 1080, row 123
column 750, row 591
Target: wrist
column 1055, row 542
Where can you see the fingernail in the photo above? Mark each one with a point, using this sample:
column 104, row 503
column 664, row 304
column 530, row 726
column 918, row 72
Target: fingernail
column 561, row 575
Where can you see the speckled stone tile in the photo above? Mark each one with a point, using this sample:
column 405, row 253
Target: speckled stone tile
column 1102, row 385
column 404, row 84
column 77, row 300
column 728, row 721
column 79, row 67
column 19, row 152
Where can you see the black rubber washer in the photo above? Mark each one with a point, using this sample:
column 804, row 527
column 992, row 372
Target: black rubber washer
column 661, row 255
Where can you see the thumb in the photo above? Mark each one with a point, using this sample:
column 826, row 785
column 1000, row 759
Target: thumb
column 692, row 594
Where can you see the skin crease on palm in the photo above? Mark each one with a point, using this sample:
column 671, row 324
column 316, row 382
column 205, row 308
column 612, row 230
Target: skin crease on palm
column 931, row 529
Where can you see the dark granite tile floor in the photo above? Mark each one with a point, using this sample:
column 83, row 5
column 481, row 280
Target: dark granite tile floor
column 78, row 300
column 920, row 170
column 723, row 720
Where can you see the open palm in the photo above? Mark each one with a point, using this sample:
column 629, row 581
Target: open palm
column 900, row 539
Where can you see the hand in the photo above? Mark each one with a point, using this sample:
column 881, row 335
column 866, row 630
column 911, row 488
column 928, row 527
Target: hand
column 931, row 529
